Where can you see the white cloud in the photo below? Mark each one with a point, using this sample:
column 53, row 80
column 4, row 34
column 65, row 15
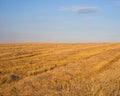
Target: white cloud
column 80, row 9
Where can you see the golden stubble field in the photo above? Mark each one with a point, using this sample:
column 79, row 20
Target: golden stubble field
column 51, row 69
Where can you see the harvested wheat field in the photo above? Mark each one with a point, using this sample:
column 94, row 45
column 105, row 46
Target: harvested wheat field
column 51, row 69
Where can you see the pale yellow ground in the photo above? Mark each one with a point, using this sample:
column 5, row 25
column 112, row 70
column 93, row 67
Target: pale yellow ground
column 49, row 69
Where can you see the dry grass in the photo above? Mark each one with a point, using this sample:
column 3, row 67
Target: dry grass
column 44, row 69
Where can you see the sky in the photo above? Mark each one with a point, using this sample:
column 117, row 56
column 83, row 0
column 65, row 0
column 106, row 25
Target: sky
column 59, row 21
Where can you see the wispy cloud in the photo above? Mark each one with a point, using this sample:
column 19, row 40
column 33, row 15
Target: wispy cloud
column 80, row 9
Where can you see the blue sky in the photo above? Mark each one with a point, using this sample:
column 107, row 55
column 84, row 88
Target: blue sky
column 60, row 21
